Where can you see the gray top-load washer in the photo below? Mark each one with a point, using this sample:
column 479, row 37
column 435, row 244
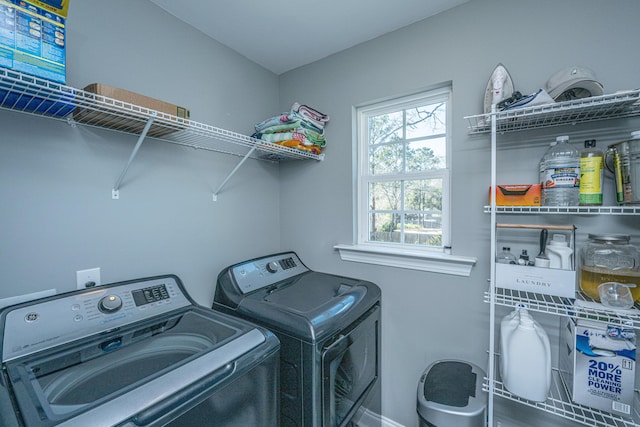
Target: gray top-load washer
column 135, row 353
column 329, row 329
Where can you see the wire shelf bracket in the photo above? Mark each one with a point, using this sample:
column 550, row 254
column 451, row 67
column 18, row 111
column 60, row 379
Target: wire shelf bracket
column 246, row 156
column 115, row 192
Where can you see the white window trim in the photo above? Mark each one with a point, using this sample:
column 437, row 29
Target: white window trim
column 414, row 258
column 430, row 261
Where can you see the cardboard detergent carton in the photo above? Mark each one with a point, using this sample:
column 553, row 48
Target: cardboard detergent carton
column 517, row 194
column 33, row 37
column 597, row 362
column 33, row 44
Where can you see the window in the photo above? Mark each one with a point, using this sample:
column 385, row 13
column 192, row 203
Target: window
column 403, row 171
column 403, row 195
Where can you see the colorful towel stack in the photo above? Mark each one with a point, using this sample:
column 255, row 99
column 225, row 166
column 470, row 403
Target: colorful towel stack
column 301, row 128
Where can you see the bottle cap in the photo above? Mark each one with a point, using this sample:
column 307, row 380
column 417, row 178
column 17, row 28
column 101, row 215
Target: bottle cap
column 558, row 240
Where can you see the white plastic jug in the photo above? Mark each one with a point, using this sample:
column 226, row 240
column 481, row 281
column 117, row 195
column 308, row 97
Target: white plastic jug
column 525, row 360
column 559, row 252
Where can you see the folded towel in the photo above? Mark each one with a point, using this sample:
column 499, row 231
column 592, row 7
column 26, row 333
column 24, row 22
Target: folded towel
column 305, row 110
column 291, row 126
column 289, row 118
column 292, row 143
column 314, row 116
column 305, row 137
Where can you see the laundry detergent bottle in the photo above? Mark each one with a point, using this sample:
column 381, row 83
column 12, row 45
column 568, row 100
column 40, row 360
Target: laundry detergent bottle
column 525, row 356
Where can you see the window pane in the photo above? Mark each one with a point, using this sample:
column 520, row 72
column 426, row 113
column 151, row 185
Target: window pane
column 423, row 195
column 385, row 159
column 385, row 128
column 404, row 144
column 430, row 154
column 423, row 229
column 384, row 196
column 423, row 212
column 426, row 120
column 384, row 227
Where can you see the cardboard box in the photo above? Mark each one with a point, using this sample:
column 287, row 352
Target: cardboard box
column 517, row 194
column 597, row 363
column 33, row 37
column 133, row 123
column 549, row 281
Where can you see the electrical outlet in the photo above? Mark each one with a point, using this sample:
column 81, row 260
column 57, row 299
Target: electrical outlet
column 88, row 278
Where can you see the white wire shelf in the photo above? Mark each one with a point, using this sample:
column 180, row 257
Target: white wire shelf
column 567, row 210
column 559, row 403
column 41, row 97
column 562, row 306
column 617, row 105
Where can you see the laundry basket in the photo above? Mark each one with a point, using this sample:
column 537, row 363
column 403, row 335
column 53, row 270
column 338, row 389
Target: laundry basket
column 450, row 394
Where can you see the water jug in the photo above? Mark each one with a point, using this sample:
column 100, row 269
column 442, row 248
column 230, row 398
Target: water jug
column 525, row 356
column 559, row 171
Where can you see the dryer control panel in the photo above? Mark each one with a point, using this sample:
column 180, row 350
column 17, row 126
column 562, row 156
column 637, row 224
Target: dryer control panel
column 263, row 272
column 46, row 323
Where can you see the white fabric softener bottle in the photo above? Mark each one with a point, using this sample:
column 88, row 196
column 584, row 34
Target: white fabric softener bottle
column 525, row 356
column 560, row 254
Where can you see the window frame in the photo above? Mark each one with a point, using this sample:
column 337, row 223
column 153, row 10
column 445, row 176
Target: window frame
column 409, row 256
column 364, row 178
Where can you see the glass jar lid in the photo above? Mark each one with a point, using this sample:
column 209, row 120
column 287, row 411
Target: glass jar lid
column 610, row 238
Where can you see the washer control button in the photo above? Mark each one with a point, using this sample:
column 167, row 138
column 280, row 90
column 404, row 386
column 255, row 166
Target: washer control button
column 110, row 304
column 272, row 267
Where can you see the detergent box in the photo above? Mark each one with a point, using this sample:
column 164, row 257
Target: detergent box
column 517, row 194
column 597, row 362
column 33, row 43
column 33, row 37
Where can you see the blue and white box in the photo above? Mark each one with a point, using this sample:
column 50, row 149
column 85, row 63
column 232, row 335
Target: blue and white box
column 33, row 37
column 33, row 49
column 597, row 362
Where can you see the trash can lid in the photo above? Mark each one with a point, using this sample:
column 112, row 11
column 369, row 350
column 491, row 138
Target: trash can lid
column 450, row 383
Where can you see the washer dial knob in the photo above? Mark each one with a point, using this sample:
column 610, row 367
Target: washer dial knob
column 272, row 267
column 110, row 304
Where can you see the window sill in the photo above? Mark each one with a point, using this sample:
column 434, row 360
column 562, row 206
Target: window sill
column 410, row 259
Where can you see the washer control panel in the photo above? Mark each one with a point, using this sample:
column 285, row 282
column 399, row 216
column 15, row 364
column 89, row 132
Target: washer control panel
column 263, row 272
column 64, row 318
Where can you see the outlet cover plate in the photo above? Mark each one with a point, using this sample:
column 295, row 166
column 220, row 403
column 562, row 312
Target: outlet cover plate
column 88, row 278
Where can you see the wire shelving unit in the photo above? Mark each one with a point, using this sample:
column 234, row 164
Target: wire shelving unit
column 36, row 96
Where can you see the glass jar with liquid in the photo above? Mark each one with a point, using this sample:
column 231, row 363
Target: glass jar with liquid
column 609, row 258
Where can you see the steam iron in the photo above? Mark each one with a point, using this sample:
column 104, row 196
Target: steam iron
column 499, row 87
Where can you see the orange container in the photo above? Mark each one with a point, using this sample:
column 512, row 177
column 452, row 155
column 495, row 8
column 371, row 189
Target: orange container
column 517, row 195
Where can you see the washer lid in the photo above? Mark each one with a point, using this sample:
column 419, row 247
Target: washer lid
column 311, row 305
column 311, row 293
column 128, row 371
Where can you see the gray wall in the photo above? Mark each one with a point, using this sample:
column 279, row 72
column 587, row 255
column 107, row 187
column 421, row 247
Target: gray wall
column 427, row 317
column 57, row 215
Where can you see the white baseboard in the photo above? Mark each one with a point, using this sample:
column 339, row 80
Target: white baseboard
column 371, row 419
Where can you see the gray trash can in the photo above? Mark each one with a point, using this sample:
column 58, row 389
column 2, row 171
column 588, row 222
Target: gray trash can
column 450, row 394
